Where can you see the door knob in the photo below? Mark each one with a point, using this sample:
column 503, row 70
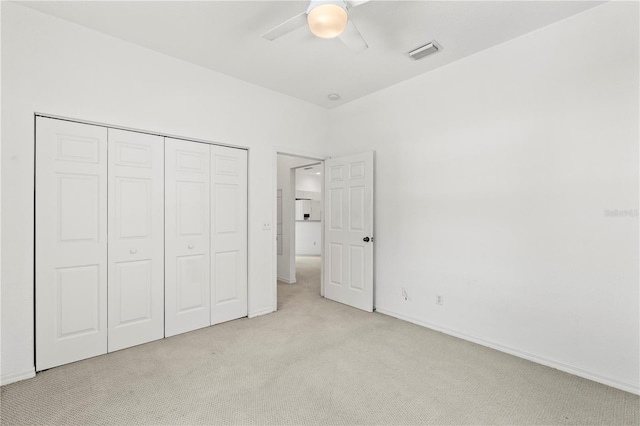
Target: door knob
column 133, row 251
column 190, row 246
column 365, row 239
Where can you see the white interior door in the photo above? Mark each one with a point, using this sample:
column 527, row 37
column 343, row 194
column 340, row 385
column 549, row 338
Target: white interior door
column 71, row 242
column 136, row 238
column 348, row 250
column 187, row 236
column 229, row 234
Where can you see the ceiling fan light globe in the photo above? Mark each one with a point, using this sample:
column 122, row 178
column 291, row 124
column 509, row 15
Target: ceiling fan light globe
column 327, row 20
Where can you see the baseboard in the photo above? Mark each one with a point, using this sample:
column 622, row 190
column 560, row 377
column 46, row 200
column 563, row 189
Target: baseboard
column 285, row 280
column 5, row 379
column 260, row 312
column 614, row 383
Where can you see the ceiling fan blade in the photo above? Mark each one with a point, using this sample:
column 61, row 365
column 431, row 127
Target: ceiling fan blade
column 287, row 26
column 355, row 3
column 352, row 38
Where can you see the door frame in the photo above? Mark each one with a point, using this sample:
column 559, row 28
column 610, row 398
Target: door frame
column 292, row 224
column 274, row 191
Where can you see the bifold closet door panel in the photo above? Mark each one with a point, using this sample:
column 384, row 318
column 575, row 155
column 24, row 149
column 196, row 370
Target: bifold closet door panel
column 136, row 238
column 228, row 234
column 71, row 242
column 187, row 236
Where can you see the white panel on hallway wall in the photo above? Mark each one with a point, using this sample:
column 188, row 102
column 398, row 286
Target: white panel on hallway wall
column 187, row 236
column 228, row 234
column 71, row 242
column 279, row 222
column 136, row 238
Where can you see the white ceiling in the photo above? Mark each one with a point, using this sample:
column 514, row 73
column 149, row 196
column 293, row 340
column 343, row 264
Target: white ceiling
column 225, row 36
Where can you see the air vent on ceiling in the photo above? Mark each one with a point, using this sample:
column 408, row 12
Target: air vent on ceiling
column 425, row 50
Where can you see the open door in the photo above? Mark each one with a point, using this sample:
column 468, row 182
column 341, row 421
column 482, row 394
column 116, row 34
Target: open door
column 348, row 249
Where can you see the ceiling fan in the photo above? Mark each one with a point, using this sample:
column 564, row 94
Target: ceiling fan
column 326, row 19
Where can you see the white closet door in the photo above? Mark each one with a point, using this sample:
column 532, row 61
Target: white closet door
column 229, row 234
column 136, row 238
column 187, row 237
column 71, row 242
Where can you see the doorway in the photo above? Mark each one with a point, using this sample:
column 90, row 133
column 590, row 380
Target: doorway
column 347, row 226
column 299, row 227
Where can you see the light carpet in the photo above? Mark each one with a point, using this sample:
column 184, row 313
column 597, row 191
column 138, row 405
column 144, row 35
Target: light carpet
column 312, row 362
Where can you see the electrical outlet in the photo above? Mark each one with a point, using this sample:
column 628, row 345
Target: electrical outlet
column 266, row 226
column 405, row 294
column 439, row 300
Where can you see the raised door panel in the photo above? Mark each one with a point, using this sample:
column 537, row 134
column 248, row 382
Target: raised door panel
column 136, row 238
column 191, row 218
column 80, row 223
column 226, row 277
column 71, row 242
column 225, row 216
column 191, row 282
column 187, row 236
column 134, row 199
column 77, row 301
column 336, row 213
column 335, row 260
column 133, row 295
column 229, row 234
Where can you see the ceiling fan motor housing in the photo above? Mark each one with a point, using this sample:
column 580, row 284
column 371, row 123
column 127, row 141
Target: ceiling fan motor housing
column 314, row 3
column 327, row 18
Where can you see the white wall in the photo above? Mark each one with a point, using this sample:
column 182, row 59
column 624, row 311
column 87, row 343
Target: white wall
column 52, row 66
column 493, row 177
column 306, row 182
column 308, row 238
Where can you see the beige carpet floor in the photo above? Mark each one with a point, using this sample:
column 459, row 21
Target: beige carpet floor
column 313, row 362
